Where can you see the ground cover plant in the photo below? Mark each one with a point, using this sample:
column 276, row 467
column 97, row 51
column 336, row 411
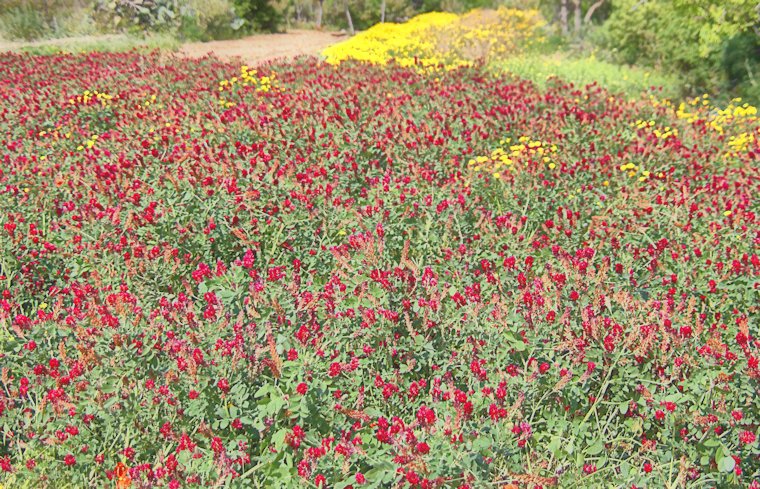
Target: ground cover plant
column 371, row 275
column 429, row 40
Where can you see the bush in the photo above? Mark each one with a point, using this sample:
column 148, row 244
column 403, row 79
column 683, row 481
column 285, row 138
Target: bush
column 705, row 41
column 260, row 15
column 208, row 20
column 741, row 64
column 24, row 23
column 188, row 19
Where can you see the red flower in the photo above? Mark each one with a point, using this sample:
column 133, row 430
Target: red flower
column 69, row 460
column 425, row 416
column 216, row 445
column 747, row 437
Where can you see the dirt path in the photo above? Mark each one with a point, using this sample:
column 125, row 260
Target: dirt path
column 252, row 49
column 263, row 47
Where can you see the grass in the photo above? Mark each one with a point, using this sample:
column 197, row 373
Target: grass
column 106, row 43
column 631, row 81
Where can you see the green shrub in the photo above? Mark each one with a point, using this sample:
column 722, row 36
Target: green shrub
column 209, row 20
column 260, row 15
column 741, row 64
column 706, row 42
column 25, row 23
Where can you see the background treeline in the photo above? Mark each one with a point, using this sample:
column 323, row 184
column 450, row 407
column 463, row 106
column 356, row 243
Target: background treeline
column 710, row 45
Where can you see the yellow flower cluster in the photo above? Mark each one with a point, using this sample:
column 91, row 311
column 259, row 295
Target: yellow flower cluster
column 507, row 154
column 226, row 103
column 386, row 41
column 660, row 134
column 87, row 96
column 634, row 170
column 248, row 78
column 442, row 40
column 88, row 143
column 738, row 121
column 735, row 113
column 643, row 124
column 742, row 141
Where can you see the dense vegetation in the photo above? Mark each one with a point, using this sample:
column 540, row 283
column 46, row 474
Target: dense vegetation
column 353, row 274
column 689, row 46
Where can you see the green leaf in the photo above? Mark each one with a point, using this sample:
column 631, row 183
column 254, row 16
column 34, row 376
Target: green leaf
column 263, row 391
column 726, row 464
column 278, row 439
column 711, row 443
column 481, row 443
column 595, row 449
column 554, row 445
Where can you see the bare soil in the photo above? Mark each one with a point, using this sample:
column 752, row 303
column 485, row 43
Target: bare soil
column 252, row 49
column 265, row 47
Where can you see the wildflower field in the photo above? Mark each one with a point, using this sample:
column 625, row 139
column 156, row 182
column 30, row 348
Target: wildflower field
column 349, row 274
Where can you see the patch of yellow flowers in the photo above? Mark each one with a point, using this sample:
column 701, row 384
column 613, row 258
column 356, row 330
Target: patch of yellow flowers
column 437, row 40
column 89, row 143
column 665, row 133
column 738, row 121
column 743, row 141
column 88, row 95
column 634, row 170
column 249, row 77
column 717, row 119
column 506, row 154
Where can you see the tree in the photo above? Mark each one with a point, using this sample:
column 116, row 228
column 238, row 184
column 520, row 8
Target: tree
column 577, row 17
column 579, row 20
column 563, row 16
column 710, row 44
column 320, row 10
column 260, row 14
column 591, row 10
column 348, row 18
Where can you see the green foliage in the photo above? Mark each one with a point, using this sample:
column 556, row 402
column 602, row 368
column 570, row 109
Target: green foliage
column 39, row 19
column 114, row 43
column 259, row 14
column 208, row 20
column 157, row 15
column 23, row 22
column 741, row 64
column 188, row 19
column 298, row 275
column 585, row 70
column 695, row 39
